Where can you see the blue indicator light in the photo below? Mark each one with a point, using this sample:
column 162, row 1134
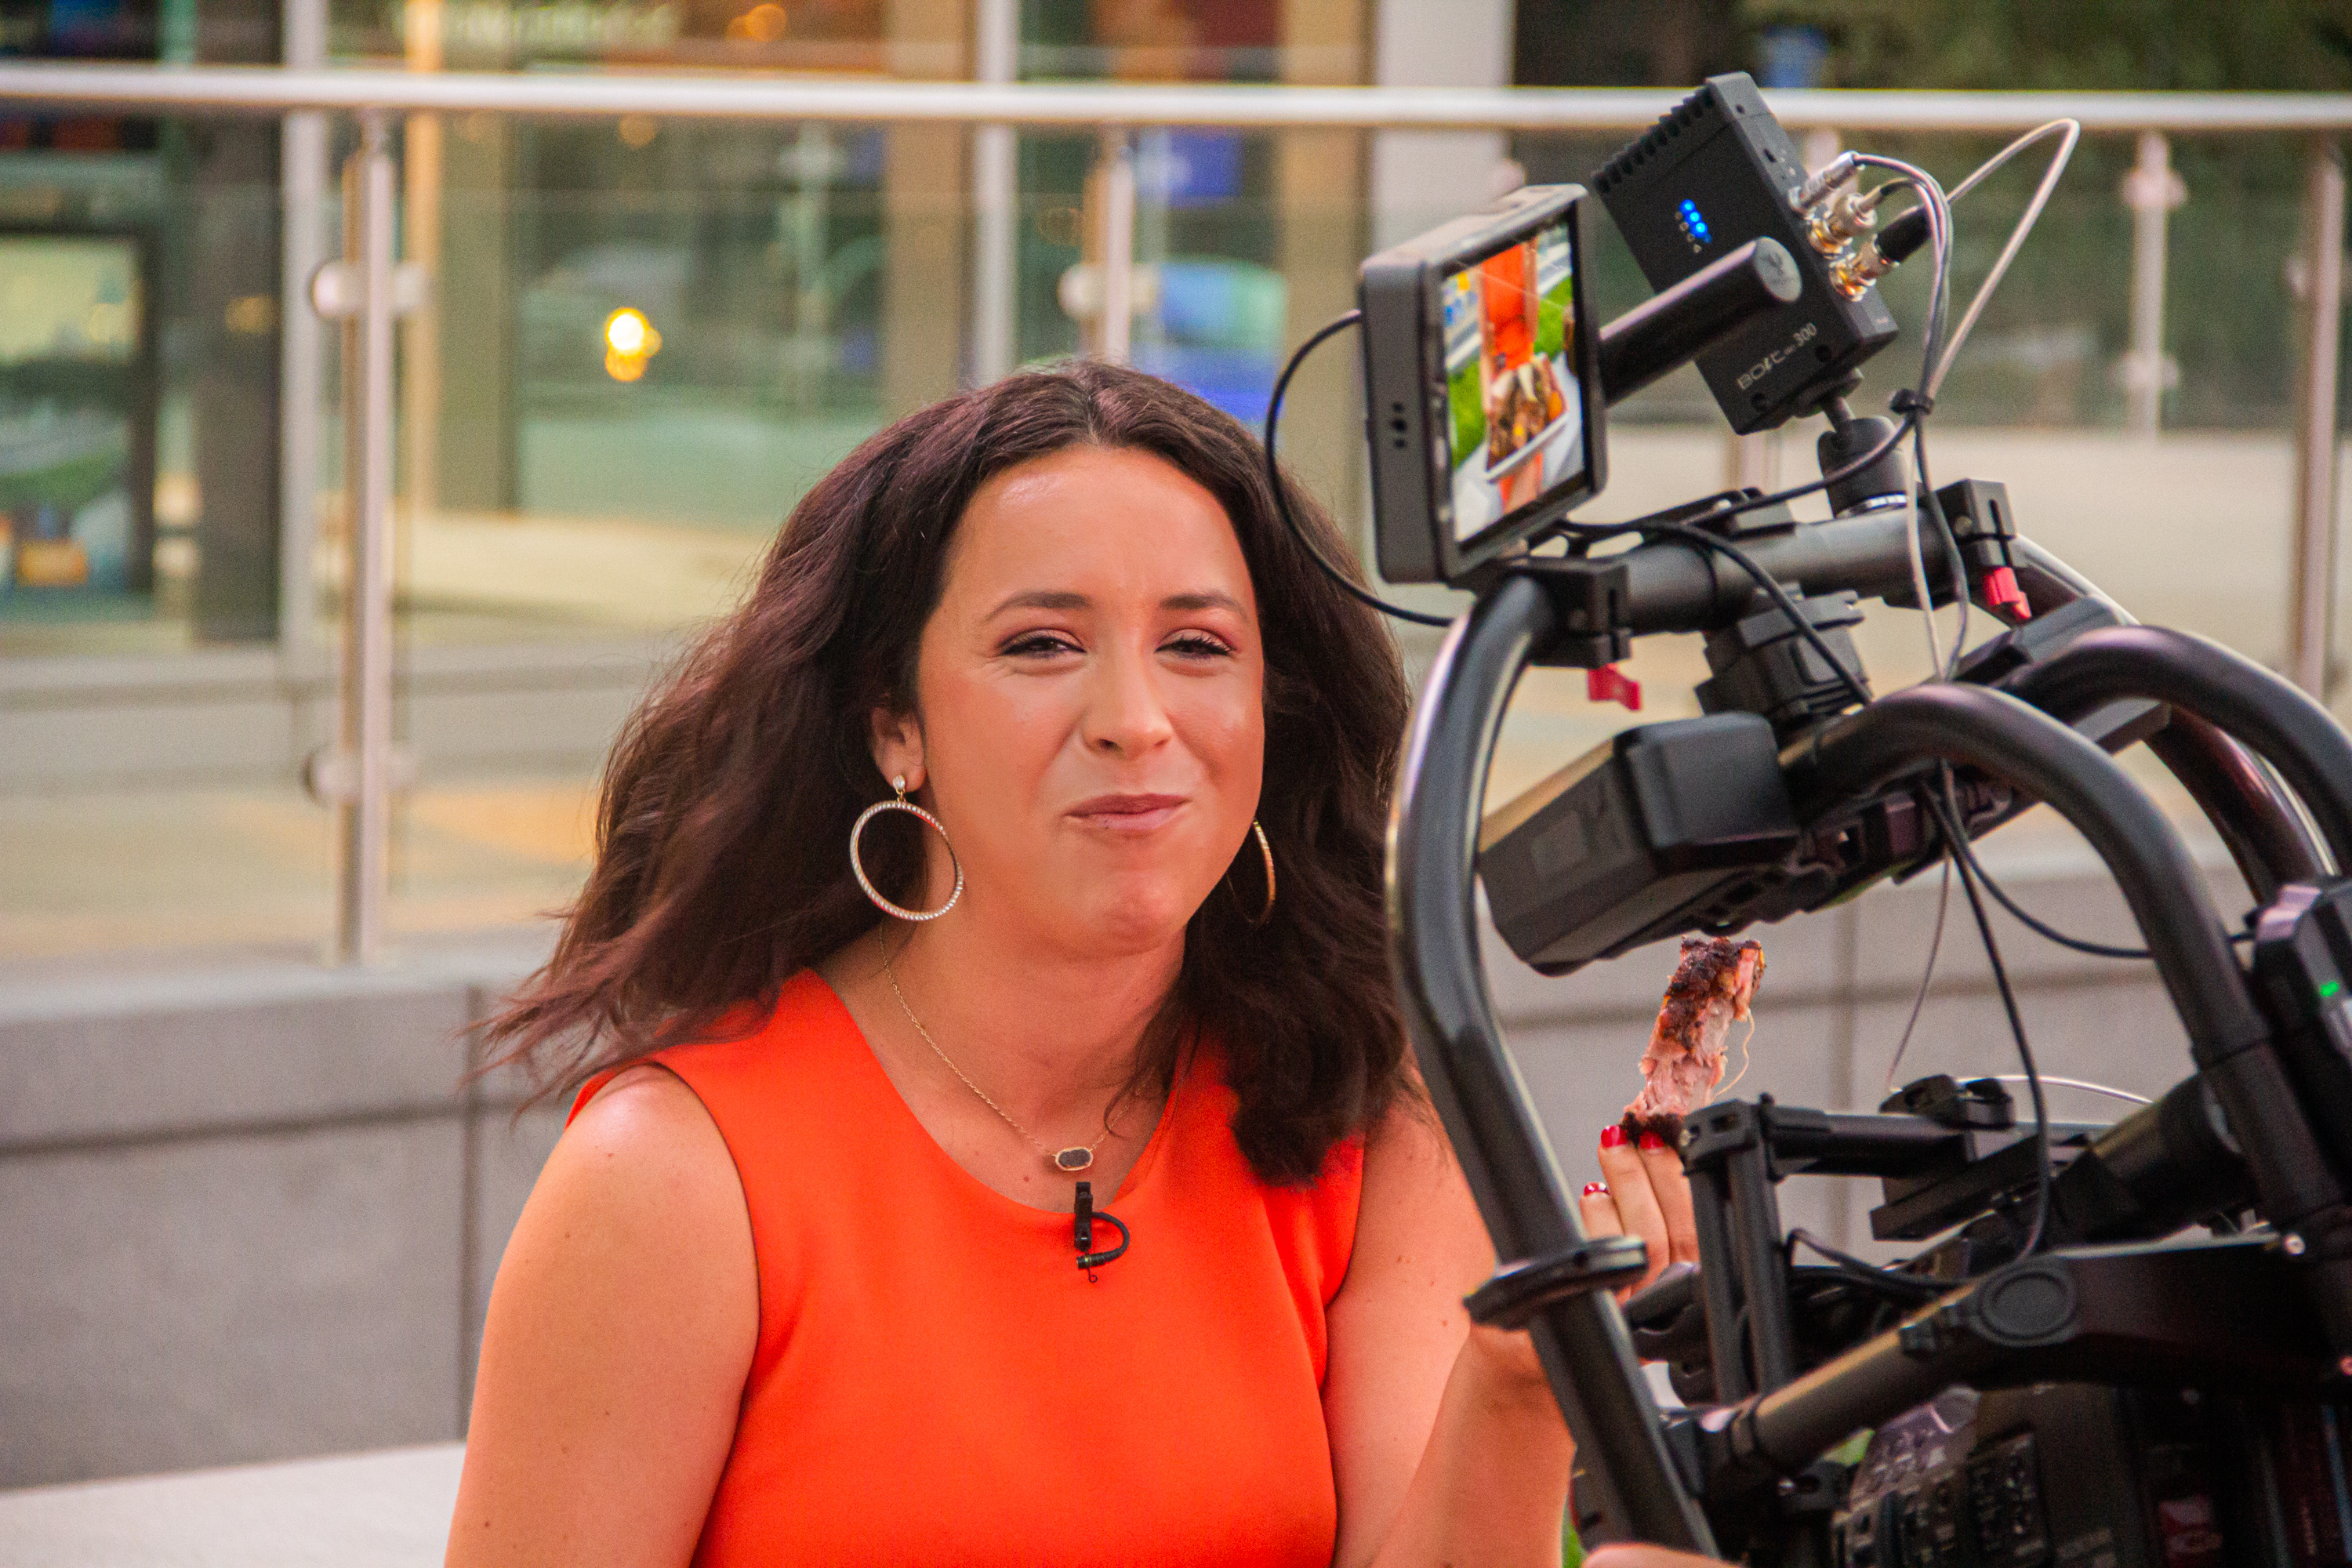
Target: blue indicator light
column 1694, row 226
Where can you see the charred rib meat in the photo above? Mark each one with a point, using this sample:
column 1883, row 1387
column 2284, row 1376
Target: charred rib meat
column 1713, row 985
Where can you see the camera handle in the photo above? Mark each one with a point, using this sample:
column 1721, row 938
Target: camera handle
column 2001, row 735
column 1580, row 1335
column 1586, row 1350
column 2240, row 797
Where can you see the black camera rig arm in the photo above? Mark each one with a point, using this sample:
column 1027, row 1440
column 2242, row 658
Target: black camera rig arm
column 1581, row 1339
column 1580, row 1336
column 2239, row 794
column 2003, row 736
column 2232, row 693
column 2240, row 797
column 2229, row 1035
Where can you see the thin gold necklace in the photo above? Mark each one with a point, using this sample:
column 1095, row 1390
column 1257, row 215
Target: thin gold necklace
column 1069, row 1161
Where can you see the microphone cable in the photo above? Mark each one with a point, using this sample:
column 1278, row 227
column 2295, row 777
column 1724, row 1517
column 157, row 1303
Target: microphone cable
column 1083, row 1219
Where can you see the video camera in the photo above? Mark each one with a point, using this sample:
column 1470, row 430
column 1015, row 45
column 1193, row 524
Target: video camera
column 2125, row 1344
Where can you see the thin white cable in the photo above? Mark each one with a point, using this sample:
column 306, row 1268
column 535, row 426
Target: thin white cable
column 2083, row 1084
column 1992, row 166
column 1959, row 571
column 1934, row 364
column 1939, row 236
column 2070, row 132
column 1926, row 977
column 1936, row 663
column 1939, row 233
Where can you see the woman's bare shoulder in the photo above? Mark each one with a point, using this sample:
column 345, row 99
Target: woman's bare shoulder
column 627, row 1304
column 643, row 1100
column 644, row 1147
column 637, row 1209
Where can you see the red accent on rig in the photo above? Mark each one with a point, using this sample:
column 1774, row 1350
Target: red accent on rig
column 1611, row 684
column 2001, row 592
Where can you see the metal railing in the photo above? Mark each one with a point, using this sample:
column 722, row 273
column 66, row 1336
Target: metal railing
column 270, row 91
column 361, row 773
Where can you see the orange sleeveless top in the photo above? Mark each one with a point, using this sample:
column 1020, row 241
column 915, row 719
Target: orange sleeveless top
column 938, row 1383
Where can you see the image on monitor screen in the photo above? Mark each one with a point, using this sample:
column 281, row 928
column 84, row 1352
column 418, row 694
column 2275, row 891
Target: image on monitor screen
column 1511, row 389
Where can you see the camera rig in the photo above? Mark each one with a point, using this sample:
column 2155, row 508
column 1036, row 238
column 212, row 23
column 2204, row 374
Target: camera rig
column 2119, row 1344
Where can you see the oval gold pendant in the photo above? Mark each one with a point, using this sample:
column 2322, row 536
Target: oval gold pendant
column 1074, row 1159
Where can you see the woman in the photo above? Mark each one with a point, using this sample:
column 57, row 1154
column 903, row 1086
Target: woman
column 1023, row 828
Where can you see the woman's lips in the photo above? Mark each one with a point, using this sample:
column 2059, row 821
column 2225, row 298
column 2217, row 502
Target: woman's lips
column 1128, row 813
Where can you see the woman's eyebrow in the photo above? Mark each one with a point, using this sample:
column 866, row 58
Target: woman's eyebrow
column 1043, row 599
column 1206, row 599
column 1064, row 599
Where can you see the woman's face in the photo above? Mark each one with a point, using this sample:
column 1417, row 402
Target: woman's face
column 1089, row 722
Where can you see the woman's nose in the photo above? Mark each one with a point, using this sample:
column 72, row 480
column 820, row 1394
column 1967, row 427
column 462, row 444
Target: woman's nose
column 1125, row 715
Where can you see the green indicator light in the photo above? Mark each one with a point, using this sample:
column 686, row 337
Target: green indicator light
column 2329, row 987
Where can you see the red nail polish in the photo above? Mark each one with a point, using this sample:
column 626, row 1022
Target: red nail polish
column 1613, row 1135
column 1594, row 1189
column 1652, row 1141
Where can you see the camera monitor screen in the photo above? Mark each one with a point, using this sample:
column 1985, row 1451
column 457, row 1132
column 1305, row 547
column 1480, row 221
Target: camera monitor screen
column 1477, row 334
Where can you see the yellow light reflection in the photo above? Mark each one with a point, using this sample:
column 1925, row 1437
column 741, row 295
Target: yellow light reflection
column 629, row 342
column 762, row 23
column 626, row 332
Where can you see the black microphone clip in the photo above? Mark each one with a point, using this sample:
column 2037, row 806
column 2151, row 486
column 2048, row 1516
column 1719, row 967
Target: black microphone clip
column 1082, row 1230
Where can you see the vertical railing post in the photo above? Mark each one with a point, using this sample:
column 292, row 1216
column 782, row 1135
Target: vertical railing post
column 1115, row 327
column 996, row 199
column 421, row 171
column 363, row 811
column 2312, row 580
column 815, row 160
column 2151, row 190
column 302, row 185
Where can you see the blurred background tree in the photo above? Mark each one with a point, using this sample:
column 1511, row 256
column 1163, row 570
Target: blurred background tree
column 2185, row 45
column 2189, row 45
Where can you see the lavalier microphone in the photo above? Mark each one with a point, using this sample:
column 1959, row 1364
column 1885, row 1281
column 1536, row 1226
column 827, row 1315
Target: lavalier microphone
column 1082, row 1230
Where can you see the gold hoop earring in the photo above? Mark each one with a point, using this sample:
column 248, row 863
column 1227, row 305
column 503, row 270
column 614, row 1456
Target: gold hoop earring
column 857, row 869
column 1265, row 853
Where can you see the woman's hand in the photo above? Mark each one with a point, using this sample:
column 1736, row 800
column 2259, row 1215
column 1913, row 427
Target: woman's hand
column 1643, row 1193
column 1636, row 1555
column 1646, row 1194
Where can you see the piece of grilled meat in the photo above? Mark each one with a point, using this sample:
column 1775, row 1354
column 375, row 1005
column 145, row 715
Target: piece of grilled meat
column 1713, row 985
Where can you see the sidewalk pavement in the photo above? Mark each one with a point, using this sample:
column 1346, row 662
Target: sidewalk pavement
column 384, row 1509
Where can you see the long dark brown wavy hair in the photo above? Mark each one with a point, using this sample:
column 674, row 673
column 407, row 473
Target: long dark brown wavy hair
column 722, row 863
